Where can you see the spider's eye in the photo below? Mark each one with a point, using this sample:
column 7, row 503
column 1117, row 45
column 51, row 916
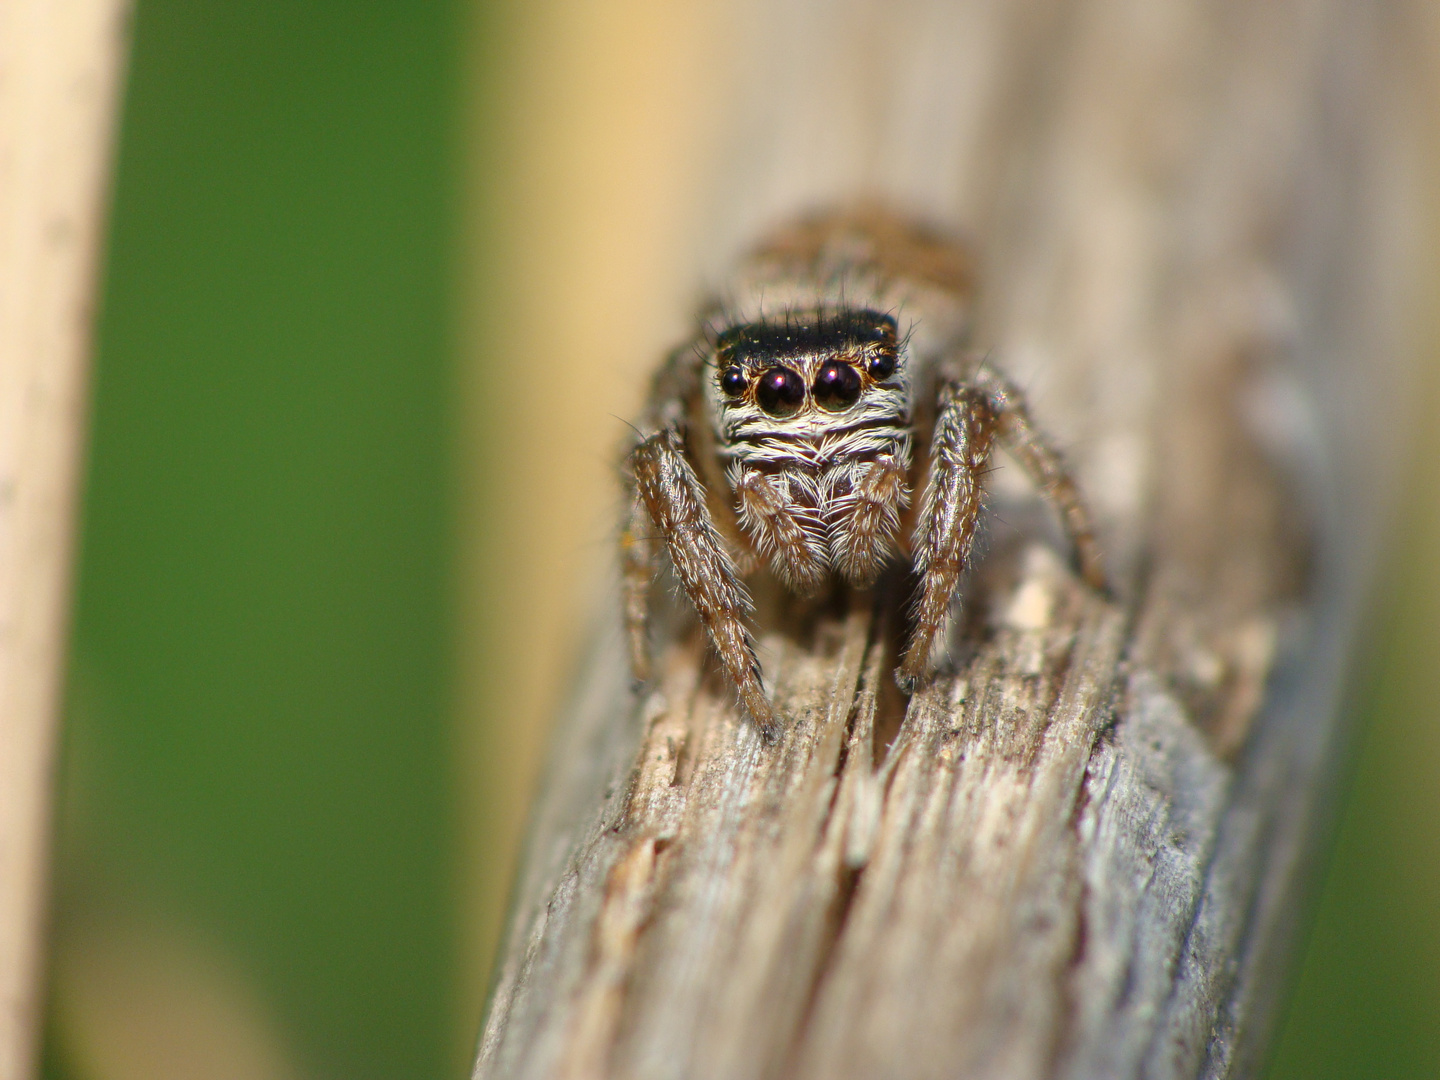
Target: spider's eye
column 837, row 386
column 781, row 392
column 881, row 366
column 732, row 382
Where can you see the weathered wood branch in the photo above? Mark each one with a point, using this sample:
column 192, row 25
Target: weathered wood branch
column 60, row 64
column 1079, row 851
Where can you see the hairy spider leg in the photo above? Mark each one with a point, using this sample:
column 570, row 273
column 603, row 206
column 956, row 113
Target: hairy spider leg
column 1048, row 470
column 639, row 561
column 945, row 529
column 671, row 495
column 970, row 418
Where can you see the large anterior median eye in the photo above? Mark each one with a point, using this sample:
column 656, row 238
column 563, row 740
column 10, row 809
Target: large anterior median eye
column 837, row 386
column 781, row 392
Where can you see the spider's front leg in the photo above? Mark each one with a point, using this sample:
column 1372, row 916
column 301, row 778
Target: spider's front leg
column 668, row 493
column 970, row 418
column 945, row 530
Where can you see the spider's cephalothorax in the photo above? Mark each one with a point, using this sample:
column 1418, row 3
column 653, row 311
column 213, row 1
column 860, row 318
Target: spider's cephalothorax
column 811, row 412
column 785, row 434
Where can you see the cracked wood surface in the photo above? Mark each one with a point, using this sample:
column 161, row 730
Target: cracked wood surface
column 1079, row 851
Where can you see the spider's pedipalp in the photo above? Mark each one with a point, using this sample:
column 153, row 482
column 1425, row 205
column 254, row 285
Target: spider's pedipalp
column 783, row 530
column 868, row 518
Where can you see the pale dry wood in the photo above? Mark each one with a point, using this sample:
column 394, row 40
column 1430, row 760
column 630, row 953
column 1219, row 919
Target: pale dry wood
column 1081, row 852
column 60, row 63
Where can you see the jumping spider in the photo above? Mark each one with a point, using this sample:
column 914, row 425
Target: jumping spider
column 785, row 433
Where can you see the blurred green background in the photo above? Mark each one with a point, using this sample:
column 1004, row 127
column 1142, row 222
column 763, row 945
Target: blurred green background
column 260, row 864
column 257, row 763
column 1367, row 997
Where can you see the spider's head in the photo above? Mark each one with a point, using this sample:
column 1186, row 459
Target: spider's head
column 815, row 363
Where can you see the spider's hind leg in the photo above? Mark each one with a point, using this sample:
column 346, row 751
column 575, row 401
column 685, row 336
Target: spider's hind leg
column 1045, row 466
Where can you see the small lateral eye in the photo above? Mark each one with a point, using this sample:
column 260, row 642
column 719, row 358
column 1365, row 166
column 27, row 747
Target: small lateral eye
column 732, row 381
column 781, row 392
column 881, row 366
column 837, row 386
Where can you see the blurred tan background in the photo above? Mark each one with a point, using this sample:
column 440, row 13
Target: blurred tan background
column 382, row 287
column 589, row 164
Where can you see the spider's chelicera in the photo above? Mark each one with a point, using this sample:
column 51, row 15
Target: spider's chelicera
column 786, row 435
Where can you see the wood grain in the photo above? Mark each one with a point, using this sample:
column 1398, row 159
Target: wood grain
column 1079, row 852
column 60, row 64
